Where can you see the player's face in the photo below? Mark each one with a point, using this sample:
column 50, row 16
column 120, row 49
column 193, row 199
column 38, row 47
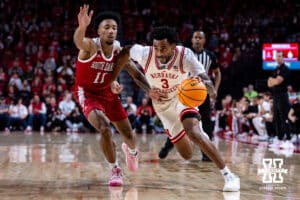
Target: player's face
column 279, row 58
column 198, row 39
column 107, row 31
column 163, row 50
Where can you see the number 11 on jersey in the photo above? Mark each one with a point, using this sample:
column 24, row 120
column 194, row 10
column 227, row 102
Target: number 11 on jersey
column 100, row 77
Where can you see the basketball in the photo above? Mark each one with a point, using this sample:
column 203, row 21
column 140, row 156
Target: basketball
column 191, row 92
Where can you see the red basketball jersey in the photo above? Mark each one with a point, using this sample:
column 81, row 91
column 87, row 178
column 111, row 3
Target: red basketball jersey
column 94, row 74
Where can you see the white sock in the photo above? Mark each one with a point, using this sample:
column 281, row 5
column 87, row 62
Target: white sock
column 132, row 151
column 113, row 165
column 225, row 171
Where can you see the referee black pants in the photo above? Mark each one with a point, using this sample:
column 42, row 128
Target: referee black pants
column 205, row 110
column 281, row 107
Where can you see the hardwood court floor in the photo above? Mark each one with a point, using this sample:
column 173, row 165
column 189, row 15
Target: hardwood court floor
column 72, row 167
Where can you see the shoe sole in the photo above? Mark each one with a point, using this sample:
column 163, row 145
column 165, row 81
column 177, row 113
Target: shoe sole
column 231, row 190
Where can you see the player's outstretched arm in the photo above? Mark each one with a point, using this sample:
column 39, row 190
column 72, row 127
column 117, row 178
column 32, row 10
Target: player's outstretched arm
column 84, row 19
column 121, row 60
column 137, row 76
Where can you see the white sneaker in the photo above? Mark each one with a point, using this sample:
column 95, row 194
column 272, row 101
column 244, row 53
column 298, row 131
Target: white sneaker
column 231, row 195
column 232, row 183
column 287, row 145
column 275, row 144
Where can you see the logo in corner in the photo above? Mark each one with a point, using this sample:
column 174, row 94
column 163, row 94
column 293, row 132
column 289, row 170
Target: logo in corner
column 272, row 171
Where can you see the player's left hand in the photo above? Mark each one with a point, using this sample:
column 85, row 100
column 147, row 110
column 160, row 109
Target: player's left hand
column 115, row 87
column 197, row 78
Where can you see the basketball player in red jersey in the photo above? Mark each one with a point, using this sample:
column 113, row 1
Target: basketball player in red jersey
column 94, row 67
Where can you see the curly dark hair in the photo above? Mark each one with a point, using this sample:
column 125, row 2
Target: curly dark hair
column 106, row 15
column 164, row 32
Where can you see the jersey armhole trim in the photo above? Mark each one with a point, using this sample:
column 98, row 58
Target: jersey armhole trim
column 87, row 60
column 181, row 61
column 149, row 59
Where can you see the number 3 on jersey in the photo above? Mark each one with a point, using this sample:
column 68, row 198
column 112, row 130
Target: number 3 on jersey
column 100, row 77
column 165, row 83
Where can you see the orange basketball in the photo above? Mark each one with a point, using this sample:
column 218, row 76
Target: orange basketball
column 191, row 92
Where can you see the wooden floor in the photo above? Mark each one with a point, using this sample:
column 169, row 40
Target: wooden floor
column 72, row 167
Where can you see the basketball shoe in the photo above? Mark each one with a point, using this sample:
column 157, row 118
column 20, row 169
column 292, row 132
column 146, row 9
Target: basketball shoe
column 232, row 183
column 132, row 161
column 166, row 149
column 116, row 177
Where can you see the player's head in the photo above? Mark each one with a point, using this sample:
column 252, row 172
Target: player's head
column 164, row 41
column 279, row 57
column 198, row 40
column 106, row 24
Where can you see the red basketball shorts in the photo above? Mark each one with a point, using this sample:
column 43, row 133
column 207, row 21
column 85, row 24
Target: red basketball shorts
column 112, row 108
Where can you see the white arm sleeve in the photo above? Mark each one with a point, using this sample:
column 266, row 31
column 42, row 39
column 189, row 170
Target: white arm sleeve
column 140, row 54
column 191, row 64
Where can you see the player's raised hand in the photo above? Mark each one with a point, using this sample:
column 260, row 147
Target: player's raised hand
column 115, row 87
column 84, row 17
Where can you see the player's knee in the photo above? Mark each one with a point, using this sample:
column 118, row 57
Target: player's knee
column 105, row 132
column 195, row 135
column 191, row 131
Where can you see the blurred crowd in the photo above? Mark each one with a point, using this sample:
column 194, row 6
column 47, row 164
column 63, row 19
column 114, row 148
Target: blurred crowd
column 251, row 116
column 37, row 54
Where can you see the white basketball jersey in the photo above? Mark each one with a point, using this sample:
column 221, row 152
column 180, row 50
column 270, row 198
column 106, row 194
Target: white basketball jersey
column 167, row 76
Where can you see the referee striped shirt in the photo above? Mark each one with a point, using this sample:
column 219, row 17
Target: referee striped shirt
column 207, row 59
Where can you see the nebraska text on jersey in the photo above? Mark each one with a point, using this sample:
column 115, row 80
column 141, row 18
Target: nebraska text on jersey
column 164, row 74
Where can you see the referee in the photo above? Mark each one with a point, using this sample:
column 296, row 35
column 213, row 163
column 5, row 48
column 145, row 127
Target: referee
column 209, row 61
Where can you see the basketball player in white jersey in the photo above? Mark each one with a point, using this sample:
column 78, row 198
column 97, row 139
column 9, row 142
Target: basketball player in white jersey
column 165, row 66
column 209, row 61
